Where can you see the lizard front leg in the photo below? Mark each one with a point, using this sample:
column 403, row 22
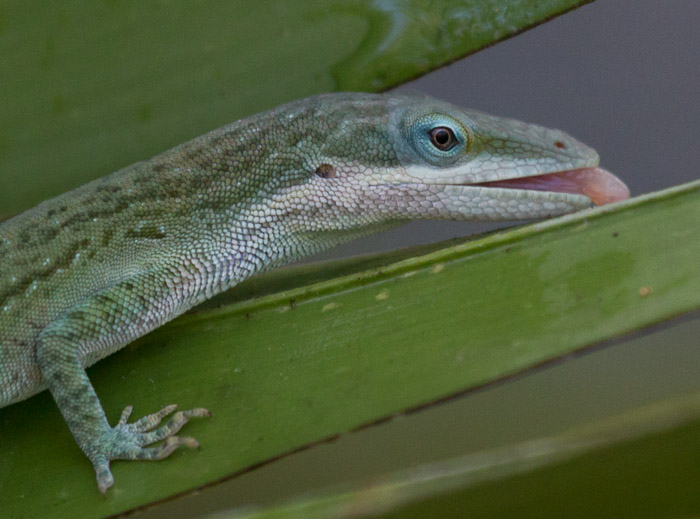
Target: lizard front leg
column 97, row 326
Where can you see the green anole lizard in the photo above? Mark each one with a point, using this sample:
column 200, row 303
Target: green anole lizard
column 87, row 272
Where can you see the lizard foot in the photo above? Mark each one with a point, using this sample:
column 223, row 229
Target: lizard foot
column 128, row 441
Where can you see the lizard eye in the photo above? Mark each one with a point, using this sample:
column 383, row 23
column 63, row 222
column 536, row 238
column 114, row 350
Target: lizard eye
column 443, row 138
column 436, row 138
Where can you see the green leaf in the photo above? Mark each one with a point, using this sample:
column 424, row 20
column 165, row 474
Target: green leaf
column 298, row 366
column 90, row 87
column 546, row 477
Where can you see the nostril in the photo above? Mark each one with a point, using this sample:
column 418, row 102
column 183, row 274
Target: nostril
column 560, row 145
column 325, row 171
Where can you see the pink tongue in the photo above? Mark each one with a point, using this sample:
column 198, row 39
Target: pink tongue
column 595, row 183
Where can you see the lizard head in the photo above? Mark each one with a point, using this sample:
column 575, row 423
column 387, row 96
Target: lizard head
column 505, row 168
column 402, row 156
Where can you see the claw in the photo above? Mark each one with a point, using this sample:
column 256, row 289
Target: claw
column 104, row 476
column 199, row 412
column 189, row 442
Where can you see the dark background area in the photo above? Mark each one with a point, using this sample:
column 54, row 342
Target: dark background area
column 622, row 76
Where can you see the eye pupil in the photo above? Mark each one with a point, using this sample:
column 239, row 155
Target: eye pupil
column 443, row 138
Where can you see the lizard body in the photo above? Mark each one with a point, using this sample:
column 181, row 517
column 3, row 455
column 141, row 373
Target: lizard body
column 87, row 272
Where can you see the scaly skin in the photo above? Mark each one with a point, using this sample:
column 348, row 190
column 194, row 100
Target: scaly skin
column 87, row 272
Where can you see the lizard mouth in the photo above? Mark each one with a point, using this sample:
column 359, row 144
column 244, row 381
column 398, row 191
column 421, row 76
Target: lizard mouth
column 597, row 184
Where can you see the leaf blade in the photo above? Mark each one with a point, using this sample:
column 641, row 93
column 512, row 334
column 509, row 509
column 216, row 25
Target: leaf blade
column 330, row 362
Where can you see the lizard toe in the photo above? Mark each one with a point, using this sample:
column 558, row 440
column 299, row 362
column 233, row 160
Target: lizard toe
column 104, row 476
column 165, row 449
column 148, row 422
